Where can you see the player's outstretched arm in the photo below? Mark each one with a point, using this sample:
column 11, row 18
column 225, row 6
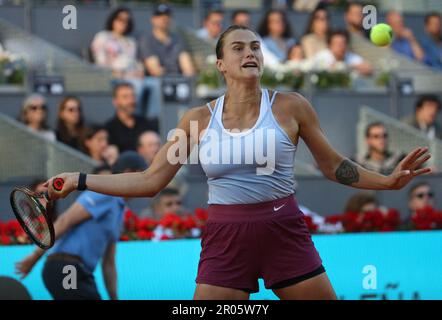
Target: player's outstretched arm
column 340, row 169
column 140, row 184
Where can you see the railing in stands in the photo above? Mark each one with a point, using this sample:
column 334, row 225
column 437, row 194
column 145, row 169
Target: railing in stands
column 27, row 154
column 46, row 58
column 401, row 136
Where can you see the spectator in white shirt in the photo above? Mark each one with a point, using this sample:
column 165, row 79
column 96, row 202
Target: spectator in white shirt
column 337, row 57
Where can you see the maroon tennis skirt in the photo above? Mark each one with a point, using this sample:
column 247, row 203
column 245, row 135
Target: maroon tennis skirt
column 245, row 242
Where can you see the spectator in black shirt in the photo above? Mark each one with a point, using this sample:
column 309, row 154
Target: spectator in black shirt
column 125, row 127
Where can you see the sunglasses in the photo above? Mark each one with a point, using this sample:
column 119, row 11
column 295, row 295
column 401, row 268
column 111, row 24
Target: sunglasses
column 170, row 203
column 36, row 107
column 379, row 136
column 421, row 195
column 73, row 109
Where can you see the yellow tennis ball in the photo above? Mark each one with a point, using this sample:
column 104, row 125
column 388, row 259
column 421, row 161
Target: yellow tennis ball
column 381, row 34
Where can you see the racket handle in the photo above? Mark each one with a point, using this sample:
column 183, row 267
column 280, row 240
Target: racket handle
column 57, row 184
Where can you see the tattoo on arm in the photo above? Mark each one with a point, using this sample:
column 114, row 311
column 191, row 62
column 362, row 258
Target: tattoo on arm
column 347, row 173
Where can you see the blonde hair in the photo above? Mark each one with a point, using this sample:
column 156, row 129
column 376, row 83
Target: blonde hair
column 27, row 103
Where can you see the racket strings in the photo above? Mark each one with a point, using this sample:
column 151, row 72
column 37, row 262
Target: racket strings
column 32, row 217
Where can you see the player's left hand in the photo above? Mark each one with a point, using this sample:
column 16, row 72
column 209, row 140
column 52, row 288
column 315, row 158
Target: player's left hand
column 409, row 168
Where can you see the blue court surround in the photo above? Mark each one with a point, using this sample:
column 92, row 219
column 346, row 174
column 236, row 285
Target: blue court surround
column 408, row 266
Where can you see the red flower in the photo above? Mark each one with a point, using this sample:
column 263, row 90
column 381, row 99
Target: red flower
column 352, row 217
column 171, row 220
column 333, row 219
column 13, row 227
column 439, row 220
column 424, row 226
column 5, row 240
column 165, row 237
column 426, row 219
column 377, row 219
column 150, row 224
column 201, row 214
column 130, row 220
column 189, row 223
column 352, row 221
column 3, row 228
column 124, row 238
column 145, row 224
column 386, row 229
column 310, row 224
column 392, row 217
column 144, row 235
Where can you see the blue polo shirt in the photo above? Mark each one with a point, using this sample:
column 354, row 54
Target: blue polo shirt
column 433, row 52
column 90, row 239
column 403, row 46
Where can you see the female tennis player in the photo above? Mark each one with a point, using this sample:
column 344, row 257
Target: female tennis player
column 255, row 228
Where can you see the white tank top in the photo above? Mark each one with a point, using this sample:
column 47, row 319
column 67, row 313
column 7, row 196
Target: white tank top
column 255, row 165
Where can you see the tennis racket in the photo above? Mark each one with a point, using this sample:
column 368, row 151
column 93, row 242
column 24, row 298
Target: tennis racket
column 30, row 210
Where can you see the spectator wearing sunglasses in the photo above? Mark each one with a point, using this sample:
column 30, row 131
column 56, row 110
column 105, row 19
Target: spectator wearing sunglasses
column 420, row 196
column 70, row 124
column 34, row 115
column 378, row 158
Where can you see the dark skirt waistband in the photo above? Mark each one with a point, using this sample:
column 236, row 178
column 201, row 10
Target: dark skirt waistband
column 254, row 211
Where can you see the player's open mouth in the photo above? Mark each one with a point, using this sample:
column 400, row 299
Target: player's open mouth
column 250, row 65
